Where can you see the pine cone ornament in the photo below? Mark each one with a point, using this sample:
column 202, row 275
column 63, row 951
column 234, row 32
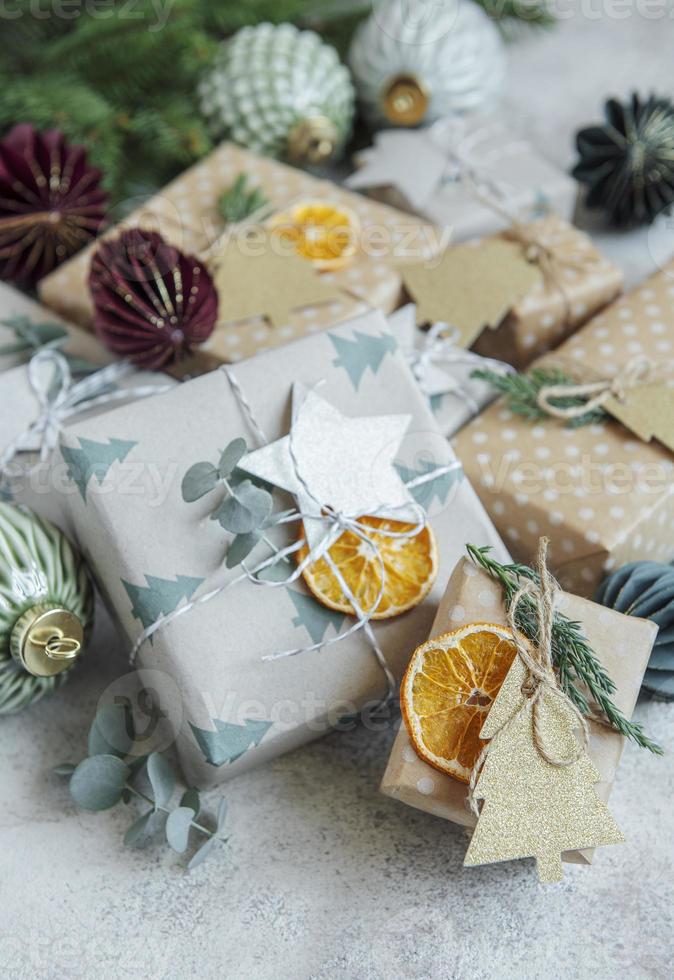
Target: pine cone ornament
column 646, row 589
column 152, row 303
column 46, row 607
column 280, row 92
column 628, row 163
column 416, row 62
column 51, row 202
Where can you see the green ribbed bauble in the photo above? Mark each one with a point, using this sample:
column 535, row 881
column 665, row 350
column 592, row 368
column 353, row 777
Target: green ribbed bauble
column 280, row 92
column 646, row 589
column 46, row 608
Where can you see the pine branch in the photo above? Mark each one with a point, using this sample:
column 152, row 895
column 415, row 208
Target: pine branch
column 573, row 657
column 515, row 16
column 521, row 392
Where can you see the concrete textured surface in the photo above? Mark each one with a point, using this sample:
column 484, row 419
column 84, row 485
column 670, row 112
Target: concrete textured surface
column 323, row 877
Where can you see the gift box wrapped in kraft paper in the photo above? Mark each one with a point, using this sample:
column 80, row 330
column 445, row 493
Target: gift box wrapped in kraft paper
column 41, row 397
column 294, row 216
column 515, row 295
column 244, row 617
column 444, row 172
column 621, row 643
column 602, row 492
column 26, row 327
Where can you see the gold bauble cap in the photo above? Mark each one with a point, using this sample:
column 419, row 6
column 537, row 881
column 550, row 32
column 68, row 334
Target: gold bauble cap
column 405, row 100
column 47, row 640
column 314, row 140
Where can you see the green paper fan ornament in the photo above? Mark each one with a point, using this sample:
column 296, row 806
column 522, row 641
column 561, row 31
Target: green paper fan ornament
column 46, row 608
column 646, row 589
column 627, row 163
column 280, row 92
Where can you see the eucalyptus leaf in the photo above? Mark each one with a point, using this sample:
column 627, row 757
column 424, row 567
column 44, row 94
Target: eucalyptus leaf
column 231, row 456
column 178, row 824
column 247, row 510
column 191, row 799
column 240, row 548
column 98, row 782
column 65, row 769
column 161, row 778
column 202, row 853
column 112, row 731
column 199, row 480
column 140, row 830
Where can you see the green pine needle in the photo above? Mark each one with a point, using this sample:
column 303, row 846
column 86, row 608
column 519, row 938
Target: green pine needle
column 240, row 201
column 574, row 659
column 521, row 393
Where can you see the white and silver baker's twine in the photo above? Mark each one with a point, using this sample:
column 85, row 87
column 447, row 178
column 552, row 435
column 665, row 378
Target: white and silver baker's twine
column 59, row 398
column 337, row 523
column 440, row 348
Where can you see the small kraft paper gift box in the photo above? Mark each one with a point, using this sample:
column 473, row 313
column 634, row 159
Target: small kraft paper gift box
column 249, row 660
column 444, row 173
column 622, row 644
column 602, row 492
column 517, row 294
column 273, row 280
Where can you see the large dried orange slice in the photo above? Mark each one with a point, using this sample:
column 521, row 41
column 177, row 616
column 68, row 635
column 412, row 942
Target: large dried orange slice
column 323, row 232
column 448, row 689
column 410, row 568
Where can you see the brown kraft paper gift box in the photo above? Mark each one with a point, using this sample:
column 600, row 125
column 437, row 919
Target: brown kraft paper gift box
column 601, row 494
column 622, row 644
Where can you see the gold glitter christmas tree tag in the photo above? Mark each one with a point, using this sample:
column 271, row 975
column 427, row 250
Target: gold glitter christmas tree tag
column 531, row 807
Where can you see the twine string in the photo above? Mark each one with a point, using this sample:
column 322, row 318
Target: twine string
column 540, row 679
column 59, row 398
column 638, row 371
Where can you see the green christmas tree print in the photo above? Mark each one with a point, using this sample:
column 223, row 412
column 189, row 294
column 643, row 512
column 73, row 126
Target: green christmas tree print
column 229, row 741
column 160, row 596
column 314, row 617
column 94, row 459
column 363, row 352
column 438, row 488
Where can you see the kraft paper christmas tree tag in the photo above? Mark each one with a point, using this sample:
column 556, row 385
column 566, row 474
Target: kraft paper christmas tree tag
column 241, row 709
column 471, row 287
column 622, row 644
column 648, row 412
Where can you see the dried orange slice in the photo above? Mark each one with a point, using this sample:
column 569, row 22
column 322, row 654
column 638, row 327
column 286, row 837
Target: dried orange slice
column 410, row 568
column 323, row 232
column 448, row 689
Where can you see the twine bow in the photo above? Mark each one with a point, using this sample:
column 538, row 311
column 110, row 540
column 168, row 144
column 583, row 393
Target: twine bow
column 59, row 398
column 637, row 372
column 440, row 346
column 541, row 678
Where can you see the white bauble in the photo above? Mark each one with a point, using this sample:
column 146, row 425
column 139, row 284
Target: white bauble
column 416, row 61
column 280, row 92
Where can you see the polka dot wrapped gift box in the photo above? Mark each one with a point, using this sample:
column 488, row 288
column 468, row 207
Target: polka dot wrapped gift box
column 308, row 256
column 621, row 643
column 602, row 493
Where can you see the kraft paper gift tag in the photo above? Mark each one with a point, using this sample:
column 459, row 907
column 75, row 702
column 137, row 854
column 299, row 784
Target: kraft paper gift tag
column 622, row 644
column 152, row 552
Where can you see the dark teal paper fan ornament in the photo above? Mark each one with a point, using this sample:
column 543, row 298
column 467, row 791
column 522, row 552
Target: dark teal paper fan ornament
column 627, row 161
column 646, row 589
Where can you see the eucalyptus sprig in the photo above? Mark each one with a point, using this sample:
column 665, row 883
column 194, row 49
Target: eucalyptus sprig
column 245, row 509
column 240, row 201
column 32, row 337
column 111, row 775
column 574, row 659
column 521, row 392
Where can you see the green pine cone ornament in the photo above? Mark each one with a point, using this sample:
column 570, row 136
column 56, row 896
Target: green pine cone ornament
column 46, row 607
column 628, row 163
column 646, row 589
column 280, row 92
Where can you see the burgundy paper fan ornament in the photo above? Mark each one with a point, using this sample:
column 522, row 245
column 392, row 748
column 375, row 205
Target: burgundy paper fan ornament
column 153, row 304
column 51, row 202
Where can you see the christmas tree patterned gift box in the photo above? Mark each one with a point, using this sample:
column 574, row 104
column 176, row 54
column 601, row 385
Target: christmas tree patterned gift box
column 518, row 294
column 622, row 644
column 308, row 256
column 603, row 491
column 227, row 611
